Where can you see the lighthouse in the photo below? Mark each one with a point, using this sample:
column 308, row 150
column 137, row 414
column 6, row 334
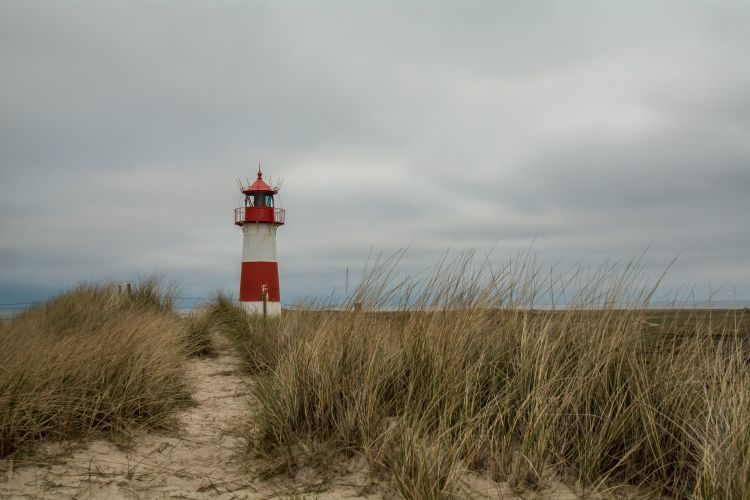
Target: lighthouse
column 259, row 219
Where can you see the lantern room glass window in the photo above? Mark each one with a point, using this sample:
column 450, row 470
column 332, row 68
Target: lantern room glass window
column 259, row 200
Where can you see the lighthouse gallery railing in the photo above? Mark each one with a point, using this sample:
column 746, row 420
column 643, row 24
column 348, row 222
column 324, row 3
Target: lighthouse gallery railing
column 259, row 214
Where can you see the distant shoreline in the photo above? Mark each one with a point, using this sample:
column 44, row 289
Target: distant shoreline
column 719, row 305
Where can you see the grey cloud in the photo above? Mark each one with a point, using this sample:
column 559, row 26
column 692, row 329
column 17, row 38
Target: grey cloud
column 596, row 129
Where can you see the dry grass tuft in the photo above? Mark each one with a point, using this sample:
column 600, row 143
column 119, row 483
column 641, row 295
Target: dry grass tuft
column 198, row 326
column 257, row 339
column 92, row 359
column 459, row 373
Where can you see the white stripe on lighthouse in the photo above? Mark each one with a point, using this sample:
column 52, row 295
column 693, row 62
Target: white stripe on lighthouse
column 259, row 242
column 272, row 308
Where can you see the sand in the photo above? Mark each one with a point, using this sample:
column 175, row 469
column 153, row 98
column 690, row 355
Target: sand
column 204, row 459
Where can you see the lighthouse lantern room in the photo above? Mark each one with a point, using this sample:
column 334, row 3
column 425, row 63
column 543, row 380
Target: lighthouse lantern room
column 259, row 219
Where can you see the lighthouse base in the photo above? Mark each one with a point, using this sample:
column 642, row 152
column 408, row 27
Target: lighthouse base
column 272, row 308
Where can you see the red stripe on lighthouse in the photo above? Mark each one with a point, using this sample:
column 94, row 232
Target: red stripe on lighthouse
column 254, row 276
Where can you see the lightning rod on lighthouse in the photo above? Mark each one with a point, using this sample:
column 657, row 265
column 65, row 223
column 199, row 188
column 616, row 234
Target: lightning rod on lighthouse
column 259, row 219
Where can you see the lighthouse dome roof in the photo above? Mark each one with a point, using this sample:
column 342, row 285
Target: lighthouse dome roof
column 260, row 186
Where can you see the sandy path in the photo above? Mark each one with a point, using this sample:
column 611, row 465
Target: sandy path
column 199, row 460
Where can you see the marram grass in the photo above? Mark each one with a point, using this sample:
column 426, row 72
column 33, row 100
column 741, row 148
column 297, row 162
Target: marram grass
column 93, row 359
column 467, row 376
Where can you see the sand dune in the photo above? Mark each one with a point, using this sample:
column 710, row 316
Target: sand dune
column 204, row 458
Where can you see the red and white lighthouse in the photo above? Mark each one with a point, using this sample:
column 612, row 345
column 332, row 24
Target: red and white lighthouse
column 259, row 219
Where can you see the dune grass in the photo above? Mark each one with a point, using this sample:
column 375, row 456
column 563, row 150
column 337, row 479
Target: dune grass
column 259, row 341
column 93, row 359
column 199, row 327
column 459, row 373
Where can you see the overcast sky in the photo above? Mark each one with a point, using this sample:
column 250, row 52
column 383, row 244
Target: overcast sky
column 596, row 128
